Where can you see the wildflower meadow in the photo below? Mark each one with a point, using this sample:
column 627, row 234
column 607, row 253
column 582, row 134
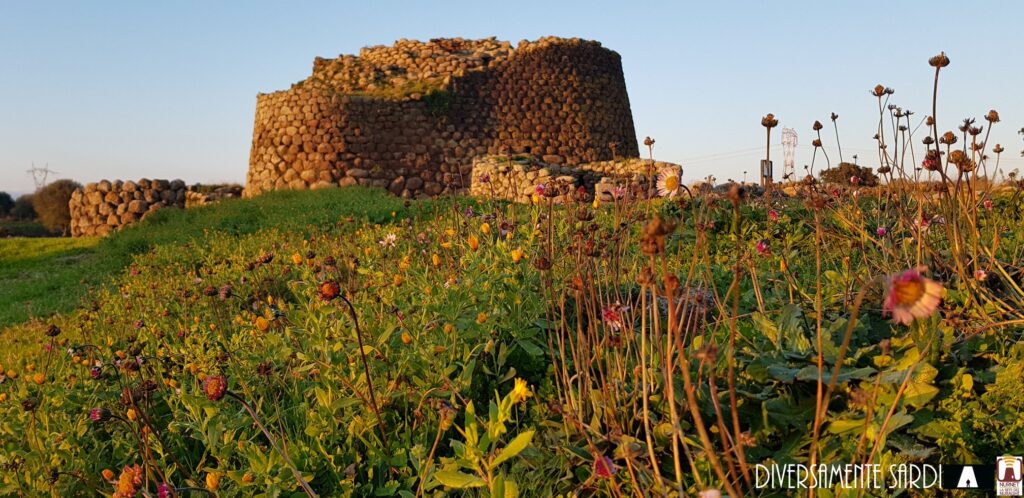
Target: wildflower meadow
column 660, row 341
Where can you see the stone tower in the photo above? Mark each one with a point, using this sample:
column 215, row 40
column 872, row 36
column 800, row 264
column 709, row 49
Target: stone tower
column 412, row 116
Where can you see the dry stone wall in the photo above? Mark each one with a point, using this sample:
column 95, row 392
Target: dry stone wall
column 413, row 116
column 516, row 178
column 102, row 207
column 97, row 209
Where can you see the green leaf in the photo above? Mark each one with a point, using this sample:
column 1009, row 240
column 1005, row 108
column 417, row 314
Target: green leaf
column 514, row 448
column 841, row 426
column 458, row 480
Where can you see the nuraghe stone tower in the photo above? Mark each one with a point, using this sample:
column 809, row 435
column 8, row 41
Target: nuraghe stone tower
column 411, row 117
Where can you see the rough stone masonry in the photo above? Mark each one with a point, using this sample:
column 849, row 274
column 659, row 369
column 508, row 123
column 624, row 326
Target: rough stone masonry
column 412, row 117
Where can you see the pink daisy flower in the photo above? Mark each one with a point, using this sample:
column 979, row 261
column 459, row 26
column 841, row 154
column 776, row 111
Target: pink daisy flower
column 910, row 296
column 762, row 247
column 604, row 468
column 612, row 316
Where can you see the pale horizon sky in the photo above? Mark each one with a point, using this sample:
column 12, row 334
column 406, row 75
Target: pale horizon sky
column 128, row 90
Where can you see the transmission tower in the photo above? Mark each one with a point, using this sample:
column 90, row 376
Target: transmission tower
column 789, row 142
column 40, row 175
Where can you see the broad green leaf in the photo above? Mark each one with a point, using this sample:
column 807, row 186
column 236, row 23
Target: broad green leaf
column 458, row 480
column 514, row 448
column 841, row 426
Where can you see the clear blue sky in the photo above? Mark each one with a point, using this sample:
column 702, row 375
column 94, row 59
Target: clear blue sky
column 167, row 89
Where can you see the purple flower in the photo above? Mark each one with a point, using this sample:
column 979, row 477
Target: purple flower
column 99, row 415
column 882, row 231
column 762, row 247
column 96, row 372
column 164, row 490
column 539, row 189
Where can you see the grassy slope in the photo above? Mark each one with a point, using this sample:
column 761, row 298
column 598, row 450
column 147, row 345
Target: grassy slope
column 52, row 275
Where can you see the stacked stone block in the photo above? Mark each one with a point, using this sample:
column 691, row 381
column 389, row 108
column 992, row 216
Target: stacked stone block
column 102, row 207
column 516, row 178
column 413, row 116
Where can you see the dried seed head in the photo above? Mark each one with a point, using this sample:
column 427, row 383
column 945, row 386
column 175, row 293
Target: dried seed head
column 939, row 61
column 998, row 149
column 817, row 125
column 948, row 138
column 835, row 116
column 769, row 121
column 816, row 142
column 878, row 90
column 992, row 116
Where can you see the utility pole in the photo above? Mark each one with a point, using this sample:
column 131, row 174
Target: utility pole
column 40, row 175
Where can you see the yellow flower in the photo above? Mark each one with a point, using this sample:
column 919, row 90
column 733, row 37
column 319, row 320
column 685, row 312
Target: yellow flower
column 474, row 243
column 31, row 367
column 446, row 245
column 435, row 259
column 398, row 280
column 481, row 317
column 449, row 328
column 12, row 374
column 107, row 474
column 132, row 415
column 297, row 258
column 517, row 255
column 3, row 397
column 405, row 264
column 248, row 478
column 450, row 232
column 262, row 324
column 439, row 349
column 485, row 229
column 39, row 378
column 213, row 481
column 520, row 391
column 535, row 199
column 596, row 202
column 406, row 338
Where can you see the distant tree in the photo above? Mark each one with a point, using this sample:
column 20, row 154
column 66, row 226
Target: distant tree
column 23, row 209
column 6, row 203
column 841, row 175
column 51, row 204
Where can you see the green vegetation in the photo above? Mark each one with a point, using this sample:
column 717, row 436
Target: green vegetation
column 22, row 228
column 37, row 273
column 56, row 277
column 51, row 204
column 6, row 204
column 342, row 343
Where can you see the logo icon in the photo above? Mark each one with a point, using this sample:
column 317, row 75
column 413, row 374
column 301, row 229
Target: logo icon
column 967, row 478
column 1010, row 476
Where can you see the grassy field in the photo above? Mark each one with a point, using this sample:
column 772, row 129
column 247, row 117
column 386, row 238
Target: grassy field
column 41, row 276
column 23, row 228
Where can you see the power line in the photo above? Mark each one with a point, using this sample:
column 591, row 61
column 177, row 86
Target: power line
column 40, row 175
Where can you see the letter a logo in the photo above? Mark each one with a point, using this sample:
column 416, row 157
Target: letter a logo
column 967, row 478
